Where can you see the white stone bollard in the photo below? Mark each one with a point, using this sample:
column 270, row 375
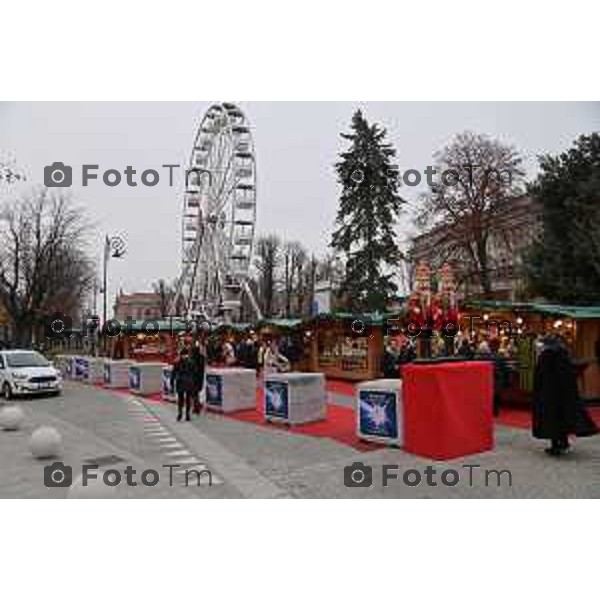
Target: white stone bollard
column 45, row 442
column 11, row 418
column 95, row 489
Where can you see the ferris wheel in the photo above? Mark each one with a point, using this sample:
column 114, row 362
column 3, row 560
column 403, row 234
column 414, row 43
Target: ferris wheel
column 219, row 218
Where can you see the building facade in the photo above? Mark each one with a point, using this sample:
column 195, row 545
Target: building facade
column 138, row 306
column 511, row 233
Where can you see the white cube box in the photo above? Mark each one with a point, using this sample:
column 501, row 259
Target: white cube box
column 87, row 369
column 232, row 389
column 96, row 371
column 80, row 368
column 167, row 389
column 63, row 364
column 146, row 378
column 116, row 373
column 379, row 411
column 295, row 397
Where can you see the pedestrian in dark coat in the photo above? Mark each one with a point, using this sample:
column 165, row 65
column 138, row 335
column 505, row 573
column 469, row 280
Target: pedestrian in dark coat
column 390, row 364
column 555, row 396
column 198, row 363
column 182, row 379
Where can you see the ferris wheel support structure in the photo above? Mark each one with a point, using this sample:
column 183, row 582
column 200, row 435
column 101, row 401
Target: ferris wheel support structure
column 219, row 218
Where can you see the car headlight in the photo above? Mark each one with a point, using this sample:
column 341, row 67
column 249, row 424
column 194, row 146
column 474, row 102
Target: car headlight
column 19, row 375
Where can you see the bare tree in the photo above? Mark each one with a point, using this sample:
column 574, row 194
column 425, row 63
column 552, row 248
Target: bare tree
column 300, row 266
column 43, row 264
column 165, row 293
column 294, row 257
column 306, row 285
column 477, row 177
column 9, row 172
column 268, row 258
column 407, row 272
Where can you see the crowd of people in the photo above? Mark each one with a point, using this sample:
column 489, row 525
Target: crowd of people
column 187, row 375
column 402, row 351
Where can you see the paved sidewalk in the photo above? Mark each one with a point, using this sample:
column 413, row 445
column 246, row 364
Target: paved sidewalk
column 250, row 461
column 99, row 426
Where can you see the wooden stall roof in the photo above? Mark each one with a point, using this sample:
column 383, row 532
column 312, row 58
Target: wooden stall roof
column 164, row 325
column 572, row 312
column 560, row 310
column 280, row 323
column 238, row 327
column 374, row 318
column 506, row 305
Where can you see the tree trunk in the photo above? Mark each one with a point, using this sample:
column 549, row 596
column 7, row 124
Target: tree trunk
column 484, row 274
column 23, row 330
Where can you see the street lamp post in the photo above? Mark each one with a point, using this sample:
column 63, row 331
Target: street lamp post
column 114, row 247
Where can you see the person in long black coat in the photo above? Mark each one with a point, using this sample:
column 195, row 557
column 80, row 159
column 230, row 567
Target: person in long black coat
column 390, row 364
column 556, row 410
column 198, row 363
column 183, row 381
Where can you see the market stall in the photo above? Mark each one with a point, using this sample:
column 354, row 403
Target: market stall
column 149, row 341
column 341, row 349
column 580, row 326
column 232, row 343
column 520, row 327
column 292, row 340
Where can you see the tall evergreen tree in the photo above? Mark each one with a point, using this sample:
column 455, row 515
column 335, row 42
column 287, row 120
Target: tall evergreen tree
column 564, row 263
column 368, row 210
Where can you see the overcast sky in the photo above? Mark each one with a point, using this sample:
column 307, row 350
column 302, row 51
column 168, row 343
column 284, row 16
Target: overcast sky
column 296, row 146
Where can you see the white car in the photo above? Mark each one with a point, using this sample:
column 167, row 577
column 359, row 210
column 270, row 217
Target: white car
column 26, row 372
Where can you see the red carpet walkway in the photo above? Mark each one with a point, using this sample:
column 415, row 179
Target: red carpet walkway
column 340, row 424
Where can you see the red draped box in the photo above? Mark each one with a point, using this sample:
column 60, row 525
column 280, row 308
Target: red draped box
column 448, row 408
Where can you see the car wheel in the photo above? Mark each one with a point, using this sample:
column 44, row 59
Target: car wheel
column 7, row 391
